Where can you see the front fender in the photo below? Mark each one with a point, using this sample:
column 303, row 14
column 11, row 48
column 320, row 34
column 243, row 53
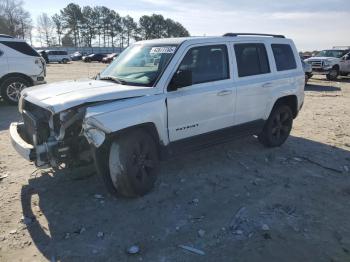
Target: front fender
column 118, row 115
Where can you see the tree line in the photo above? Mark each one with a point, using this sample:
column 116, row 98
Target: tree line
column 84, row 26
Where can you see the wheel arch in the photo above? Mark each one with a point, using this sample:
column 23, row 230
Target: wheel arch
column 290, row 100
column 147, row 127
column 27, row 78
column 337, row 67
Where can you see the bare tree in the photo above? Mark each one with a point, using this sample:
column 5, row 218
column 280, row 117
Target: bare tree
column 57, row 21
column 45, row 27
column 14, row 19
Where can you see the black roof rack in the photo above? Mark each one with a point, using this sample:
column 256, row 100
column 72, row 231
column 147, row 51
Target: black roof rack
column 5, row 36
column 238, row 34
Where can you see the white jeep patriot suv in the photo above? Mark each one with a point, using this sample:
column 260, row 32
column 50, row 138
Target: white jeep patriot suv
column 190, row 92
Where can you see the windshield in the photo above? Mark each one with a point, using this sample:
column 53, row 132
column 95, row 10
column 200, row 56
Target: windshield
column 331, row 53
column 140, row 64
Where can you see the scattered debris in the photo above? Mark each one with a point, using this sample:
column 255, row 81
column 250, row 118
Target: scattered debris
column 183, row 180
column 133, row 250
column 297, row 159
column 100, row 234
column 244, row 165
column 239, row 232
column 237, row 220
column 98, row 196
column 82, row 230
column 3, row 176
column 346, row 168
column 265, row 227
column 201, row 233
column 177, row 228
column 67, row 236
column 94, row 251
column 193, row 250
column 195, row 201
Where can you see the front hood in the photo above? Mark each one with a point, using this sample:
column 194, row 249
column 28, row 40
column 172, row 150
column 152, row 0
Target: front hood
column 321, row 58
column 60, row 96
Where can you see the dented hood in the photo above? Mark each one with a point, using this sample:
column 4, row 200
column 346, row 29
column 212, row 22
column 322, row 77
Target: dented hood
column 60, row 96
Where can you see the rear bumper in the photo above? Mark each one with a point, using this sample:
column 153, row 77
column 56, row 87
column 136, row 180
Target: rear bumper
column 26, row 150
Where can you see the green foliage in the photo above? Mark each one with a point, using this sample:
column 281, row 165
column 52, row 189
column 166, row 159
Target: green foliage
column 90, row 25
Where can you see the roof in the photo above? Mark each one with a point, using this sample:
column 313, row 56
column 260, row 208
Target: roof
column 10, row 39
column 180, row 40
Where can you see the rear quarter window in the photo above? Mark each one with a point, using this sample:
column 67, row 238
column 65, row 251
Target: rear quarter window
column 284, row 57
column 21, row 47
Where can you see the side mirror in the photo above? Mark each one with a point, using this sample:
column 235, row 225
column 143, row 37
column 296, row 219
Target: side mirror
column 180, row 79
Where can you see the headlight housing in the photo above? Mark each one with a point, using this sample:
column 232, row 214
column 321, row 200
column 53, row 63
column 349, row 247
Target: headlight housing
column 327, row 63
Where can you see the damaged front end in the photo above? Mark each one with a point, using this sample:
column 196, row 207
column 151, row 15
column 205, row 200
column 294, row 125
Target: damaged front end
column 51, row 139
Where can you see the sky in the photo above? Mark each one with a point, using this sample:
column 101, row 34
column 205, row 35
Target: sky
column 312, row 24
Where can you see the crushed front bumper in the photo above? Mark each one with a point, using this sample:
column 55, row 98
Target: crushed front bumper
column 26, row 150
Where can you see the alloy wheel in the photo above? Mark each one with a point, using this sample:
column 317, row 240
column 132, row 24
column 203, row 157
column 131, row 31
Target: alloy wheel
column 14, row 90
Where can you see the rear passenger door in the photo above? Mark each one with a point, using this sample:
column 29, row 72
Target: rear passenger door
column 205, row 100
column 253, row 81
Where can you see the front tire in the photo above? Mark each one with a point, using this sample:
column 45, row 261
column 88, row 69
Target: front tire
column 333, row 74
column 11, row 89
column 132, row 164
column 278, row 126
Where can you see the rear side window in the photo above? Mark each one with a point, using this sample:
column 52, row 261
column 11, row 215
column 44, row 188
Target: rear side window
column 21, row 47
column 284, row 57
column 251, row 59
column 207, row 63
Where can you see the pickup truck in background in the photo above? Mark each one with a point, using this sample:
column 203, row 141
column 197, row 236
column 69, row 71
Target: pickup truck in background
column 331, row 62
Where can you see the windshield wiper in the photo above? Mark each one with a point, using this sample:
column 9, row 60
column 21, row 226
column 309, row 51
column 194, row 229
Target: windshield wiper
column 113, row 78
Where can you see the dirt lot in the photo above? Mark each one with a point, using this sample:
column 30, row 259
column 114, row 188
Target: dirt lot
column 235, row 202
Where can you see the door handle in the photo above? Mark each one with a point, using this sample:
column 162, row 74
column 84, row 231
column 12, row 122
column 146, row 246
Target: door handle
column 224, row 92
column 266, row 85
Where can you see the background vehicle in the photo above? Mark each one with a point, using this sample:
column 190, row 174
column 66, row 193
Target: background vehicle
column 201, row 91
column 43, row 55
column 308, row 71
column 58, row 56
column 94, row 58
column 20, row 67
column 76, row 56
column 109, row 58
column 327, row 62
column 344, row 65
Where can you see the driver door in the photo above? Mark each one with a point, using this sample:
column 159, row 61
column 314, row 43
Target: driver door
column 345, row 63
column 201, row 96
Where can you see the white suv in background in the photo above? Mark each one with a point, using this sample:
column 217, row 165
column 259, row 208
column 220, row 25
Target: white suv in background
column 20, row 67
column 58, row 56
column 201, row 91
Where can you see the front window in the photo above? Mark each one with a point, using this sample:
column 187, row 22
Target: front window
column 140, row 64
column 331, row 53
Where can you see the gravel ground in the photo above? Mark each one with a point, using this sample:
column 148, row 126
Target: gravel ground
column 234, row 202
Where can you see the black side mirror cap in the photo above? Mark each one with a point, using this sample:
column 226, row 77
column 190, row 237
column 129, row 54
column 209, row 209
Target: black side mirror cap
column 180, row 79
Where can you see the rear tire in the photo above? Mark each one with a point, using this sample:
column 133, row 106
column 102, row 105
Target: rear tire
column 64, row 61
column 132, row 164
column 11, row 89
column 278, row 126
